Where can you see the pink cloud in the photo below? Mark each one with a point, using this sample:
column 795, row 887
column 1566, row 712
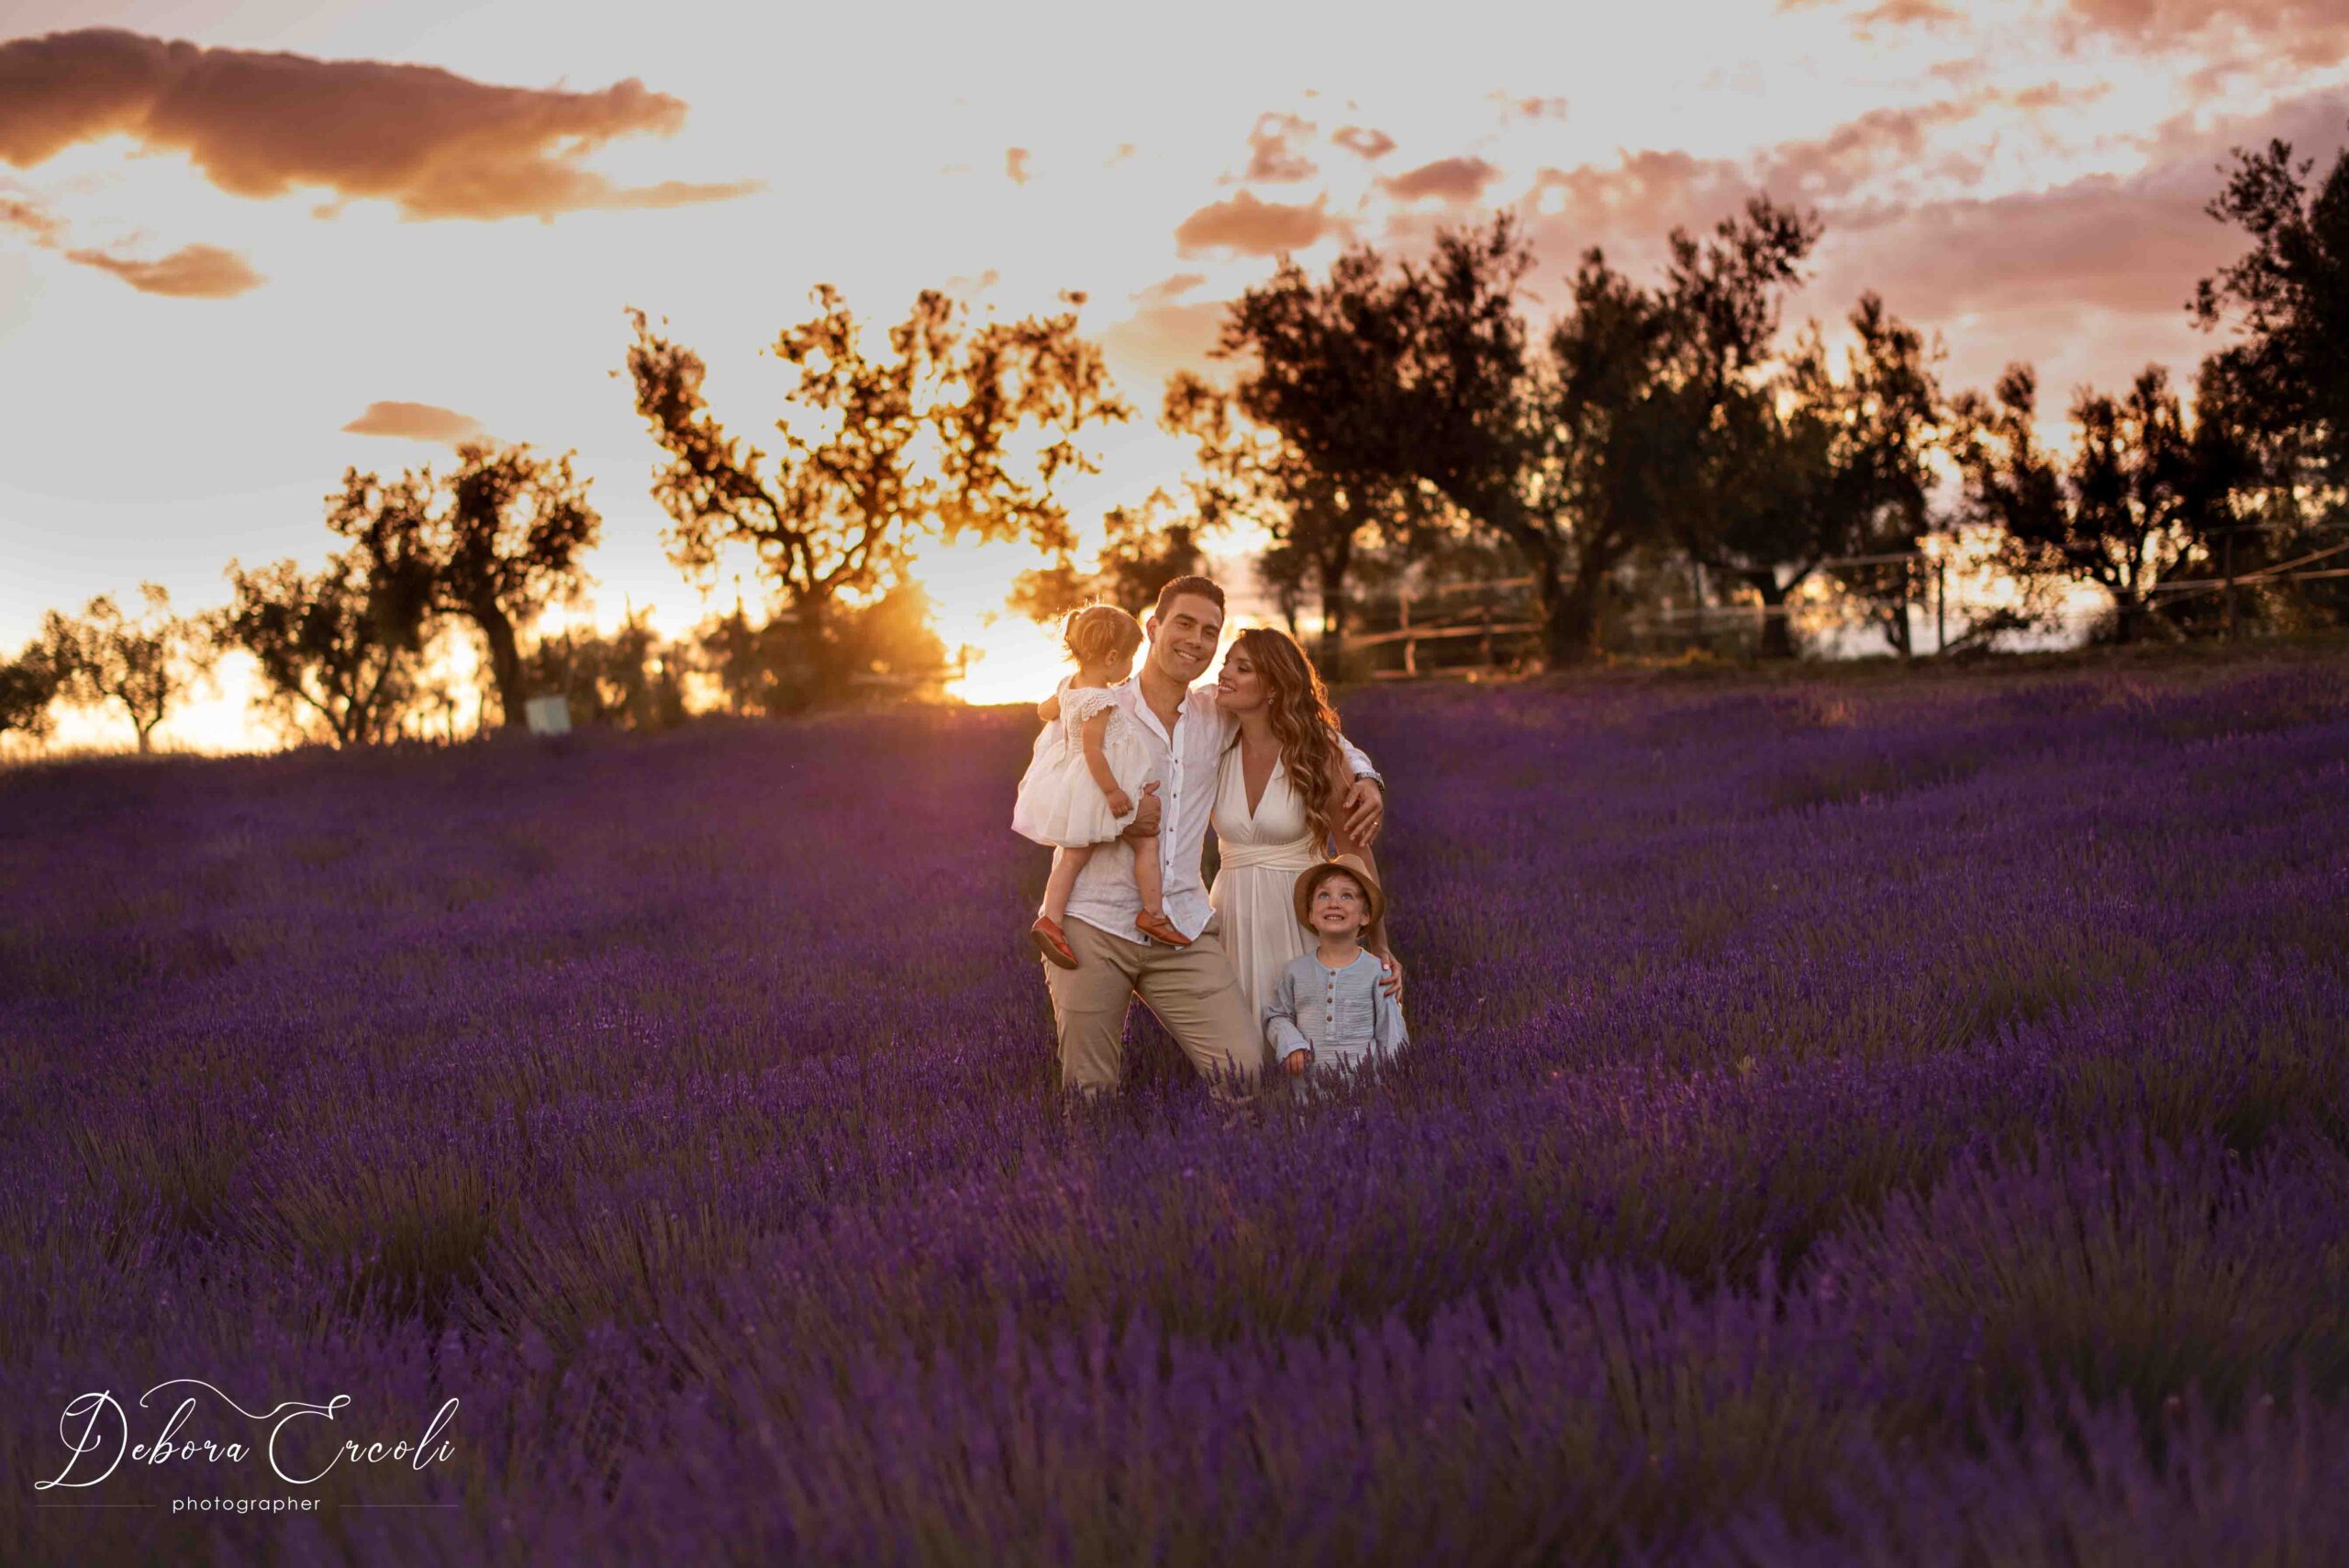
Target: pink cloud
column 1253, row 228
column 1453, row 179
column 1149, row 346
column 1273, row 156
column 415, row 422
column 257, row 123
column 2307, row 32
column 191, row 271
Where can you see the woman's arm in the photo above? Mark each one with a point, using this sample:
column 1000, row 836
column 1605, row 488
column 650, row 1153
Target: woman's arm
column 1386, row 1029
column 1374, row 939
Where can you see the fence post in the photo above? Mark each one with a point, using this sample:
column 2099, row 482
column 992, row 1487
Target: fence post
column 1411, row 643
column 1486, row 643
column 2229, row 571
column 1940, row 606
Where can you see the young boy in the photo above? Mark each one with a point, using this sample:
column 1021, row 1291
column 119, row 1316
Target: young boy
column 1327, row 1006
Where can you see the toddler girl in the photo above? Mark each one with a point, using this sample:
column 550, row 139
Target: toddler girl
column 1088, row 774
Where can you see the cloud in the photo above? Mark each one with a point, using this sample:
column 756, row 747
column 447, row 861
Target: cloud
column 191, row 271
column 2307, row 32
column 1270, row 157
column 415, row 422
column 1890, row 13
column 1155, row 342
column 2056, row 95
column 1253, row 228
column 2088, row 279
column 255, row 124
column 1365, row 141
column 1529, row 108
column 1647, row 194
column 1909, row 14
column 1015, row 164
column 1168, row 290
column 45, row 228
column 1858, row 148
column 1453, row 179
column 2119, row 245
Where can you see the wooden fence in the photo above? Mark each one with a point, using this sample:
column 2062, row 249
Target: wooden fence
column 1437, row 614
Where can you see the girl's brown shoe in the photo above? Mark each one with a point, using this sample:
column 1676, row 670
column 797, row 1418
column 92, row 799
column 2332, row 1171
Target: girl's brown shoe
column 1151, row 924
column 1053, row 942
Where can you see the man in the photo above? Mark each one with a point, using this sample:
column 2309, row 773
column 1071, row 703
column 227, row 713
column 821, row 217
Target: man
column 1193, row 990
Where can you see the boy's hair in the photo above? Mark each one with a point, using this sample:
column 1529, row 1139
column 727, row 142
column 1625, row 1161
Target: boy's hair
column 1201, row 587
column 1097, row 632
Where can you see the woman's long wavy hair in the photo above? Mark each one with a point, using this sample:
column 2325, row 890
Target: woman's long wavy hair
column 1298, row 705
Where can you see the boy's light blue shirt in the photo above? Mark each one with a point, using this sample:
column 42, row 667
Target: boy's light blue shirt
column 1340, row 1013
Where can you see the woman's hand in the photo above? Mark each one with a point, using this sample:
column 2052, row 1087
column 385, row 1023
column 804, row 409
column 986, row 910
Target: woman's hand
column 1390, row 977
column 1365, row 809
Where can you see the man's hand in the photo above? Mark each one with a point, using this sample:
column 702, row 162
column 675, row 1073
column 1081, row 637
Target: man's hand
column 1146, row 822
column 1390, row 977
column 1365, row 808
column 1297, row 1061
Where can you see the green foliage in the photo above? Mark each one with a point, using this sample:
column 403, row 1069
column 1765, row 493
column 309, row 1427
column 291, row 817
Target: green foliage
column 143, row 663
column 340, row 647
column 27, row 685
column 1145, row 548
column 955, row 430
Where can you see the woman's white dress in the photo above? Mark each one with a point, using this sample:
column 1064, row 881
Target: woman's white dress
column 1060, row 802
column 1255, row 890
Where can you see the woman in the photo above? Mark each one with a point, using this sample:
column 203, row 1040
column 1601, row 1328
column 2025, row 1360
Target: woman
column 1279, row 788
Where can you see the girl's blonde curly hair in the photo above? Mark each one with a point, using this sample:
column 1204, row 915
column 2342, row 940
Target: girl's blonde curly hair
column 1097, row 632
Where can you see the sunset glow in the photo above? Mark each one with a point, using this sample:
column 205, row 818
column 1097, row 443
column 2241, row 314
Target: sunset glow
column 312, row 237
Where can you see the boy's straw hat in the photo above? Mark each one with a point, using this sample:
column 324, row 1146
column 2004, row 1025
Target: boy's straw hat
column 1352, row 866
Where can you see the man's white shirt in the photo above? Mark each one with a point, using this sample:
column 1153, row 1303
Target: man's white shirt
column 1184, row 764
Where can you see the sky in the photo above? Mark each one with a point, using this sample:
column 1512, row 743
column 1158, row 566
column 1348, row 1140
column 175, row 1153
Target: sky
column 246, row 246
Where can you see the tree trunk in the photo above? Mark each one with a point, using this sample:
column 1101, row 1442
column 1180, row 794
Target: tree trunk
column 1334, row 610
column 505, row 660
column 1574, row 613
column 818, row 675
column 1569, row 615
column 1895, row 611
column 1777, row 638
column 2126, row 609
column 1896, row 629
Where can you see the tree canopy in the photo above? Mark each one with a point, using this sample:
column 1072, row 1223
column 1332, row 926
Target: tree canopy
column 956, row 429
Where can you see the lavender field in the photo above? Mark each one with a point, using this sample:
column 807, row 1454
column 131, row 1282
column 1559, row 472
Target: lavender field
column 1851, row 1121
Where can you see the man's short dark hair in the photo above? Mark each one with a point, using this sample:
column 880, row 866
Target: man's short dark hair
column 1201, row 587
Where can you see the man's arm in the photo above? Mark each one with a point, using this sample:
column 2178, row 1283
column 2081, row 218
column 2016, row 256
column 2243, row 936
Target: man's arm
column 1146, row 822
column 1363, row 810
